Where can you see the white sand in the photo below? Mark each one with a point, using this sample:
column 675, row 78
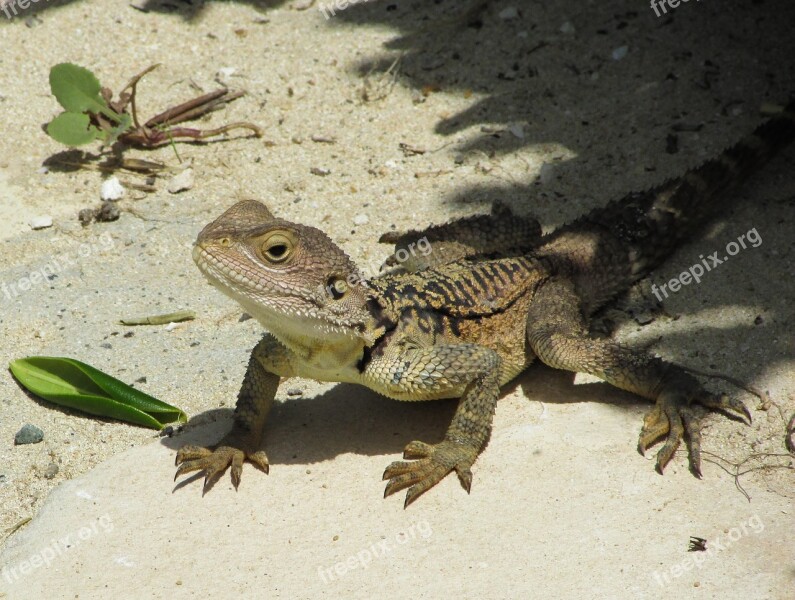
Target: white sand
column 562, row 506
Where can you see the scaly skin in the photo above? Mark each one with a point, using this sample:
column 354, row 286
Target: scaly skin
column 490, row 298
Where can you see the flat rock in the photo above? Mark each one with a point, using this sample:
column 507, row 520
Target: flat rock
column 323, row 530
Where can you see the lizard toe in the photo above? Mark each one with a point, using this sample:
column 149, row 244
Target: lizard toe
column 674, row 418
column 726, row 403
column 187, row 453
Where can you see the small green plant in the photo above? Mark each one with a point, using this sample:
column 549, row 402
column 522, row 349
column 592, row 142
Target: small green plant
column 69, row 382
column 79, row 92
column 90, row 113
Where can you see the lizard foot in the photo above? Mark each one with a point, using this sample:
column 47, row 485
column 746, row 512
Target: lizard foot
column 214, row 461
column 673, row 417
column 435, row 462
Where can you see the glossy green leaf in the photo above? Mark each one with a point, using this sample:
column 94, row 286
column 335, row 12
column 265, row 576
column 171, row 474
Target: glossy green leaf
column 69, row 382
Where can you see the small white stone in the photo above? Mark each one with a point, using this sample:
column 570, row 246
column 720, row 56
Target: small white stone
column 620, row 52
column 181, row 182
column 517, row 130
column 361, row 219
column 42, row 222
column 546, row 173
column 111, row 189
column 567, row 28
column 224, row 73
column 506, row 14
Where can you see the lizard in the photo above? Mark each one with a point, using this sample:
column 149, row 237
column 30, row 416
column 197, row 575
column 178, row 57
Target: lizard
column 491, row 297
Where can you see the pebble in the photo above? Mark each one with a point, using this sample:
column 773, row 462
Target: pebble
column 223, row 74
column 567, row 28
column 51, row 471
column 361, row 219
column 85, row 216
column 107, row 212
column 517, row 130
column 546, row 173
column 181, row 182
column 111, row 189
column 295, row 392
column 506, row 14
column 620, row 52
column 29, row 434
column 42, row 222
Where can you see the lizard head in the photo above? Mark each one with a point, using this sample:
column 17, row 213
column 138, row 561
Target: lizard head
column 290, row 277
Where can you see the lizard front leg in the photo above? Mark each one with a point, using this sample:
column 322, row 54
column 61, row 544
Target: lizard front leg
column 440, row 371
column 269, row 360
column 557, row 335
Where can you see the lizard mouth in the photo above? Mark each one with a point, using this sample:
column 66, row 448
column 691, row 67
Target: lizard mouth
column 221, row 272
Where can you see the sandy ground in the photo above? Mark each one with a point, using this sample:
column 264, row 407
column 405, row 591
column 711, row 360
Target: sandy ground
column 554, row 109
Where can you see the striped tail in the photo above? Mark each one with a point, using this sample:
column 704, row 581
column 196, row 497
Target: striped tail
column 610, row 248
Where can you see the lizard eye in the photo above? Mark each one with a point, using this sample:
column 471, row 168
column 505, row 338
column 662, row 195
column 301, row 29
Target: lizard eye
column 277, row 248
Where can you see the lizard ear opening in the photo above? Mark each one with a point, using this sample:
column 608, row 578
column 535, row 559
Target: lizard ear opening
column 337, row 287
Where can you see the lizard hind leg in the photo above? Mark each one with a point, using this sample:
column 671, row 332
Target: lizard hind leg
column 556, row 333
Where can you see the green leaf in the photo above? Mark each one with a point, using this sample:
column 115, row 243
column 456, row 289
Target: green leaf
column 77, row 90
column 72, row 129
column 69, row 382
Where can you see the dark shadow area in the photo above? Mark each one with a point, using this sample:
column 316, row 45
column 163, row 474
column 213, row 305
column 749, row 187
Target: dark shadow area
column 564, row 80
column 186, row 9
column 353, row 419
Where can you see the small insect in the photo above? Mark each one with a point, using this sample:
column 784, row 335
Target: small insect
column 697, row 544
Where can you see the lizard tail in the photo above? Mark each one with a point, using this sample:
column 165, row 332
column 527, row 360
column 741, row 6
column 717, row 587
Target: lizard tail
column 646, row 227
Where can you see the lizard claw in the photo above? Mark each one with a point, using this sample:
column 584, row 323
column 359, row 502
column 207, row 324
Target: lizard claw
column 214, row 462
column 434, row 463
column 674, row 418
